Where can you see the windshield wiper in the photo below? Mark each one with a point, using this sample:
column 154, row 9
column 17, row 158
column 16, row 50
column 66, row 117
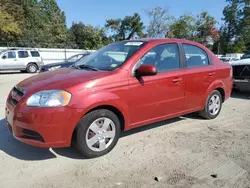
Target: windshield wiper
column 88, row 67
column 76, row 67
column 85, row 67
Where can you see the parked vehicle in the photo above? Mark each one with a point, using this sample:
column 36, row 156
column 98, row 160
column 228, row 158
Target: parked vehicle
column 23, row 59
column 228, row 59
column 104, row 94
column 241, row 74
column 67, row 63
column 245, row 56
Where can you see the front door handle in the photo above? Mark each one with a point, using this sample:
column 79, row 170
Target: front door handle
column 211, row 74
column 177, row 80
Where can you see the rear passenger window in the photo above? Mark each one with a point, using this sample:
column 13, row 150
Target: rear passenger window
column 35, row 53
column 195, row 56
column 23, row 54
column 164, row 57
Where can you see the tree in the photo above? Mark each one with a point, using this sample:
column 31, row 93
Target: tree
column 183, row 27
column 124, row 29
column 244, row 25
column 54, row 22
column 207, row 33
column 159, row 22
column 88, row 37
column 11, row 17
column 235, row 29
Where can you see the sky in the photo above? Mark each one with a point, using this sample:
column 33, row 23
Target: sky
column 95, row 12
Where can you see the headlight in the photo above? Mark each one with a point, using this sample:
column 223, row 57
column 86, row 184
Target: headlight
column 53, row 68
column 49, row 98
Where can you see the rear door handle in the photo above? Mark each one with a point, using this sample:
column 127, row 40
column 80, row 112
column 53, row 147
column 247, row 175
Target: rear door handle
column 177, row 80
column 211, row 74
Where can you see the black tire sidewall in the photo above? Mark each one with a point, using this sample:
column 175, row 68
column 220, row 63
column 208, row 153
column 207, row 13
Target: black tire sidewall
column 207, row 105
column 29, row 65
column 82, row 129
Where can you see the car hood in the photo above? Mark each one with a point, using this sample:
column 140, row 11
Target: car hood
column 56, row 64
column 241, row 62
column 59, row 79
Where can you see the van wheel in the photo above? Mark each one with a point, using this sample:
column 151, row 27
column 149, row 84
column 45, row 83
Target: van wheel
column 213, row 106
column 97, row 133
column 32, row 68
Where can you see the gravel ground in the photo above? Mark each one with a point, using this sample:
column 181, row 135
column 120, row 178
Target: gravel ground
column 183, row 152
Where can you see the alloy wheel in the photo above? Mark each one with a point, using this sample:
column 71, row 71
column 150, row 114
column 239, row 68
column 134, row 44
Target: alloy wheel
column 100, row 134
column 214, row 104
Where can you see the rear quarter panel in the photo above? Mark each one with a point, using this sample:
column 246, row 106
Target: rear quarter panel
column 223, row 77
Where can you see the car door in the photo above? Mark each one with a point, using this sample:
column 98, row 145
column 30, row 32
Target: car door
column 154, row 97
column 8, row 60
column 23, row 56
column 198, row 76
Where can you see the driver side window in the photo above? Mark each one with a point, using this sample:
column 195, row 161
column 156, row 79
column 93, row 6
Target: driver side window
column 9, row 55
column 164, row 57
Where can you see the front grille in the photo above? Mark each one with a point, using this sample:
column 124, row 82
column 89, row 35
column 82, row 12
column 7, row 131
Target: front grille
column 33, row 135
column 19, row 91
column 16, row 94
column 12, row 101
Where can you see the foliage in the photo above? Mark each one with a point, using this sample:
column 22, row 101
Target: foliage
column 206, row 31
column 159, row 23
column 183, row 27
column 88, row 37
column 127, row 28
column 41, row 23
column 10, row 19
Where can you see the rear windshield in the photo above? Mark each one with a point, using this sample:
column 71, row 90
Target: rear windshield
column 35, row 53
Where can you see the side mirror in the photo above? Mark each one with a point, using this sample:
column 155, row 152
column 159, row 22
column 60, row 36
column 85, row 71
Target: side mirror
column 146, row 70
column 4, row 57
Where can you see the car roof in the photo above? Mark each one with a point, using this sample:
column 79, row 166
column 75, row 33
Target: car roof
column 166, row 40
column 161, row 40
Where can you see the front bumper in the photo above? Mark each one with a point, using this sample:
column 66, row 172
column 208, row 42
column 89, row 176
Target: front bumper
column 241, row 84
column 42, row 127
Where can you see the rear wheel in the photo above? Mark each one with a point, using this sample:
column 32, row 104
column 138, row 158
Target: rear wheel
column 213, row 105
column 32, row 68
column 97, row 133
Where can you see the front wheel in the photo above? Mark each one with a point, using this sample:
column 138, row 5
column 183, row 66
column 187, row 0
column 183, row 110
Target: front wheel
column 213, row 105
column 97, row 133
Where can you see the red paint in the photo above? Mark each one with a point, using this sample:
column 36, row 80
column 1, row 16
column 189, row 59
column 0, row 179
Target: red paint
column 140, row 100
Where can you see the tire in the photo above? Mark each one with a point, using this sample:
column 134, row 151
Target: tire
column 212, row 114
column 32, row 68
column 90, row 128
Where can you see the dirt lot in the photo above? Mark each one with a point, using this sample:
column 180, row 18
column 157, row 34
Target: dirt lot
column 182, row 152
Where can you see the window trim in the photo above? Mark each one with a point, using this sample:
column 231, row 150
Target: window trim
column 181, row 60
column 185, row 59
column 23, row 51
column 35, row 52
column 8, row 55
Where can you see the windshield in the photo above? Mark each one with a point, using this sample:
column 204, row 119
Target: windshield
column 74, row 58
column 112, row 56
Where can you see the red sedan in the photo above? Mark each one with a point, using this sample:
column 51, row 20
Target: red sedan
column 124, row 85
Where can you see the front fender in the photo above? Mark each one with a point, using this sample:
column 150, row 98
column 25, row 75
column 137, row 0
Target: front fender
column 93, row 100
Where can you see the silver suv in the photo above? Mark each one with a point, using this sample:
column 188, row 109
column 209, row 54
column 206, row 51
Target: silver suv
column 23, row 59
